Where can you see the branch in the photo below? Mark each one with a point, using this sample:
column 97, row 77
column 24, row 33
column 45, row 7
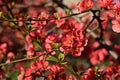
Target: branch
column 97, row 17
column 25, row 59
column 24, row 20
column 20, row 60
column 89, row 24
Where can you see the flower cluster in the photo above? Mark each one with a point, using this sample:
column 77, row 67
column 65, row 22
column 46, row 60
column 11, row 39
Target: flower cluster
column 108, row 74
column 85, row 5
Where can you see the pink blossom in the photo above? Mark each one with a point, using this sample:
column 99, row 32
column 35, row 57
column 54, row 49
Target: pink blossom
column 117, row 48
column 3, row 47
column 42, row 65
column 28, row 39
column 29, row 71
column 11, row 55
column 30, row 50
column 116, row 25
column 105, row 3
column 65, row 49
column 117, row 7
column 48, row 47
column 49, row 41
column 77, row 48
column 89, row 74
column 109, row 70
column 21, row 76
column 67, row 41
column 85, row 5
column 96, row 57
column 56, row 69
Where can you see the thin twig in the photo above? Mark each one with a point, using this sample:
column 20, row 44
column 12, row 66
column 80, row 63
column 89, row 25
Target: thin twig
column 24, row 59
column 20, row 60
column 24, row 20
column 89, row 24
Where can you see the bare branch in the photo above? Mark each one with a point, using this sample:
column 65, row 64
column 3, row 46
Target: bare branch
column 24, row 20
column 20, row 60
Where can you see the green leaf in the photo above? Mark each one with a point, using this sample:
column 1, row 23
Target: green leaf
column 36, row 45
column 61, row 56
column 52, row 58
column 63, row 63
column 96, row 69
column 33, row 29
column 27, row 64
column 57, row 16
column 56, row 46
column 13, row 76
column 0, row 14
column 26, row 16
column 28, row 24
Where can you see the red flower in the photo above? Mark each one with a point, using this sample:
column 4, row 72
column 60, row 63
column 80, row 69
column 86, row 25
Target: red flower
column 88, row 75
column 117, row 7
column 11, row 55
column 105, row 3
column 42, row 65
column 37, row 68
column 49, row 41
column 28, row 39
column 117, row 76
column 116, row 25
column 56, row 73
column 98, row 56
column 117, row 48
column 65, row 49
column 85, row 5
column 110, row 70
column 30, row 50
column 3, row 47
column 29, row 71
column 21, row 76
column 77, row 49
column 67, row 41
column 56, row 69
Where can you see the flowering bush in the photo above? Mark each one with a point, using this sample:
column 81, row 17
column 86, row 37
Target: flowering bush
column 47, row 40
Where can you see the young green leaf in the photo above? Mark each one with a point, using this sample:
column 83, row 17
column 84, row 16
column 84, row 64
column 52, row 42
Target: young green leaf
column 63, row 63
column 28, row 25
column 57, row 16
column 61, row 56
column 56, row 46
column 52, row 58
